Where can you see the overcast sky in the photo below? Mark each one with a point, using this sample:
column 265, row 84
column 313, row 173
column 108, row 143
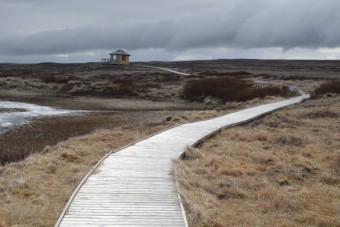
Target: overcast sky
column 87, row 30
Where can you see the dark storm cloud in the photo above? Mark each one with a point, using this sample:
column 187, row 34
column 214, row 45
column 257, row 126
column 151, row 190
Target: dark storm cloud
column 234, row 23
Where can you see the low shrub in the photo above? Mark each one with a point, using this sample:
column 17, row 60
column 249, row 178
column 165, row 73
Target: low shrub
column 85, row 92
column 264, row 75
column 327, row 87
column 67, row 87
column 124, row 82
column 110, row 92
column 217, row 87
column 229, row 89
column 56, row 80
column 123, row 90
column 131, row 87
column 223, row 74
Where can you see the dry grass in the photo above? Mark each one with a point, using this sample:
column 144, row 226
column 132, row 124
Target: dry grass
column 281, row 170
column 33, row 192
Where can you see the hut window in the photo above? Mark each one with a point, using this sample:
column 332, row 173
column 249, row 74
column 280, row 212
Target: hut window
column 123, row 58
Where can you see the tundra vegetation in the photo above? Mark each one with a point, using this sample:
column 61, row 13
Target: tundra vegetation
column 278, row 166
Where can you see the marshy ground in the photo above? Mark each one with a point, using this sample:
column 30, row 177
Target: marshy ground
column 47, row 159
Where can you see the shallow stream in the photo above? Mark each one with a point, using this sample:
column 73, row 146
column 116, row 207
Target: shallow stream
column 15, row 114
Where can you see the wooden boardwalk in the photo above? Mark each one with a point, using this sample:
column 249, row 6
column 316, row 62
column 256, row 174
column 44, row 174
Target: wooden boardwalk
column 134, row 187
column 166, row 69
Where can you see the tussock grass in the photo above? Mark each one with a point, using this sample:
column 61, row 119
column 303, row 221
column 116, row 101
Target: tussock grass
column 229, row 89
column 280, row 170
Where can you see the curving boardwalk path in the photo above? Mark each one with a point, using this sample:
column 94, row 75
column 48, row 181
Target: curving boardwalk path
column 134, row 187
column 166, row 69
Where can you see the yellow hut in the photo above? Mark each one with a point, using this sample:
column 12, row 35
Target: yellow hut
column 118, row 57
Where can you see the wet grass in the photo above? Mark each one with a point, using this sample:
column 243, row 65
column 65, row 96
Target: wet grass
column 18, row 144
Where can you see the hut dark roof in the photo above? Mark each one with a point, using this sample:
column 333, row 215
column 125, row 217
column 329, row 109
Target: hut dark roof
column 119, row 52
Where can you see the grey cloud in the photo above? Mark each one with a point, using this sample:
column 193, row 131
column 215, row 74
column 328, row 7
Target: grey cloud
column 242, row 23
